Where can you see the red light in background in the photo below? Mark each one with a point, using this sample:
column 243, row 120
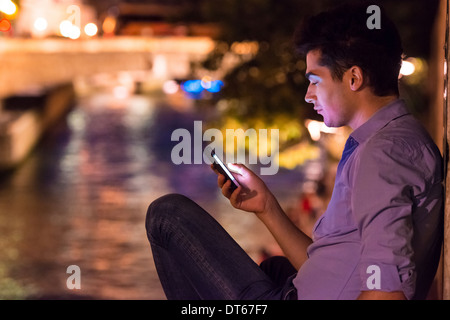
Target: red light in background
column 5, row 25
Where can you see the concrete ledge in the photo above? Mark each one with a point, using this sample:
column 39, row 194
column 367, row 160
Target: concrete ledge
column 24, row 119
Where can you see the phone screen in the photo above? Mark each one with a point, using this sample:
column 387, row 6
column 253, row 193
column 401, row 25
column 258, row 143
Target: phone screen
column 222, row 168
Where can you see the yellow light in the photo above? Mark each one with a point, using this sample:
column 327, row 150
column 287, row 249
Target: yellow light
column 91, row 29
column 68, row 30
column 65, row 27
column 75, row 33
column 407, row 68
column 40, row 24
column 315, row 129
column 8, row 7
column 109, row 25
column 246, row 47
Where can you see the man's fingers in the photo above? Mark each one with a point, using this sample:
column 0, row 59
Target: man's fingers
column 234, row 197
column 214, row 168
column 226, row 190
column 240, row 169
column 220, row 180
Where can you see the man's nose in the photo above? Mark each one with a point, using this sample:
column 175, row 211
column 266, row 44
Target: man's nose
column 309, row 97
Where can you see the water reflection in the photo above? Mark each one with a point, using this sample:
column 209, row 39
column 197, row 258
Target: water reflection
column 81, row 197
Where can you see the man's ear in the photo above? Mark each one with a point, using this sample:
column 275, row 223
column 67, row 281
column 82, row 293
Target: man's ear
column 356, row 78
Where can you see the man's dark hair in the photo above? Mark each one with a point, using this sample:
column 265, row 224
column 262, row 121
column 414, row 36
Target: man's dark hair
column 344, row 39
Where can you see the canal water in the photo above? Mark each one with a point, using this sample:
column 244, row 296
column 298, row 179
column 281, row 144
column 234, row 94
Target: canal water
column 81, row 198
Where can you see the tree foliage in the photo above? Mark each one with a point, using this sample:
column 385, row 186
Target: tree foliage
column 273, row 81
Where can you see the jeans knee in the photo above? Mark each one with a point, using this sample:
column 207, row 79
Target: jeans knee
column 162, row 209
column 168, row 199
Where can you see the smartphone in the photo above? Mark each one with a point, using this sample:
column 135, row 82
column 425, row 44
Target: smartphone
column 222, row 168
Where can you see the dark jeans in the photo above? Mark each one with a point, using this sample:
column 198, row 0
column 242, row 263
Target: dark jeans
column 197, row 259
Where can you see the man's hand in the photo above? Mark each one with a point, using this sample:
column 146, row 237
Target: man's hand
column 253, row 196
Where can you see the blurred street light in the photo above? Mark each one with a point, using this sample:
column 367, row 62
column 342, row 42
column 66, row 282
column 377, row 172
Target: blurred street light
column 40, row 24
column 64, row 27
column 170, row 87
column 315, row 128
column 91, row 29
column 109, row 25
column 8, row 7
column 407, row 68
column 69, row 30
column 48, row 18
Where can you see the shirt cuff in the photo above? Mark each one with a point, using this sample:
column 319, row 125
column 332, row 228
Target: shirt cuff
column 386, row 277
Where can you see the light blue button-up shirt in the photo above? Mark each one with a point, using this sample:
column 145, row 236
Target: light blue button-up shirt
column 383, row 226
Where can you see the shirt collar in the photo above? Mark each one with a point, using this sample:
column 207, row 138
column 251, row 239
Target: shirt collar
column 380, row 119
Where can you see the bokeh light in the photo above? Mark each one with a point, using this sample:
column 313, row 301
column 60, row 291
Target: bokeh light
column 8, row 7
column 407, row 68
column 69, row 30
column 40, row 24
column 91, row 29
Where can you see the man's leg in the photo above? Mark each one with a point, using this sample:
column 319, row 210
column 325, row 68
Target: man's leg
column 197, row 259
column 279, row 269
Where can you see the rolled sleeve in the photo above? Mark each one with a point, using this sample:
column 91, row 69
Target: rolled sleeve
column 385, row 184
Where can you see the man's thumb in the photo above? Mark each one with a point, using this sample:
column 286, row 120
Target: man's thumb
column 238, row 168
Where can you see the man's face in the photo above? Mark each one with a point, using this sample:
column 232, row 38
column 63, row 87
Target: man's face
column 331, row 98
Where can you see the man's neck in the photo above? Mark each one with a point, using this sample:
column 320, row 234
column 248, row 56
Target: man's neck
column 368, row 107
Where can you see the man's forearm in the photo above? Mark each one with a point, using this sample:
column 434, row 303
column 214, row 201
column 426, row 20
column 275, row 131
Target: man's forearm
column 291, row 239
column 381, row 295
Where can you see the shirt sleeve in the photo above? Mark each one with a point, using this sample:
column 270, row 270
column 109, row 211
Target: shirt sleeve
column 386, row 181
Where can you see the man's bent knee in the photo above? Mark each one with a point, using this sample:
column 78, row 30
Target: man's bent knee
column 168, row 200
column 164, row 208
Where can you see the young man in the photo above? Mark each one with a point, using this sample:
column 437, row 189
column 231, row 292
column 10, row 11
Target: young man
column 380, row 237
